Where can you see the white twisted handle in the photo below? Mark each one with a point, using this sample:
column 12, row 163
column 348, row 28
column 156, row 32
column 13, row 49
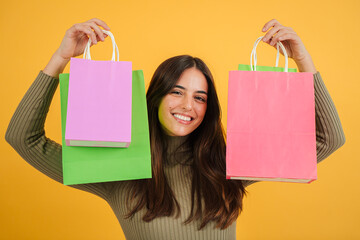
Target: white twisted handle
column 87, row 48
column 254, row 55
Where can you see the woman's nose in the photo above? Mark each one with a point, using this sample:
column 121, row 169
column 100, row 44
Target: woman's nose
column 187, row 103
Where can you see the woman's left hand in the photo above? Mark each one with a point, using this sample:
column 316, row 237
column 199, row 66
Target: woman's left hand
column 292, row 43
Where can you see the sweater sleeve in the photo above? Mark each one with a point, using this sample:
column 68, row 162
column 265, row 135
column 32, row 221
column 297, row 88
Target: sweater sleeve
column 26, row 135
column 329, row 133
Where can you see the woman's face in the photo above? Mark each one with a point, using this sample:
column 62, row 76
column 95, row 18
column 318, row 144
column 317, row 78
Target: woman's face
column 182, row 110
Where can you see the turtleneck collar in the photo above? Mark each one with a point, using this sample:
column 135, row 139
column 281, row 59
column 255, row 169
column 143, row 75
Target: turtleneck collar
column 178, row 150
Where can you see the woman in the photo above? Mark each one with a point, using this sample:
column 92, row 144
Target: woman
column 188, row 196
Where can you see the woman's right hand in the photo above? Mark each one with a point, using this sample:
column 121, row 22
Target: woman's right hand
column 74, row 43
column 76, row 37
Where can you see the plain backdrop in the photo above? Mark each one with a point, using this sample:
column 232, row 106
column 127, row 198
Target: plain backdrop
column 222, row 33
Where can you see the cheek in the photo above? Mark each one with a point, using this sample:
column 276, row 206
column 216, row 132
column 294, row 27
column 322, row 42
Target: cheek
column 201, row 110
column 164, row 109
column 168, row 104
column 161, row 113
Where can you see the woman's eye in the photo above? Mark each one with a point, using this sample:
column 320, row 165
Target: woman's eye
column 176, row 92
column 200, row 99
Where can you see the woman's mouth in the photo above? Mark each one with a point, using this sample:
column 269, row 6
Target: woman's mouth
column 182, row 119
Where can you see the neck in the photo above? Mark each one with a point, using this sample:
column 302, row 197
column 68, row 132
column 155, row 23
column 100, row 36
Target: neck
column 177, row 149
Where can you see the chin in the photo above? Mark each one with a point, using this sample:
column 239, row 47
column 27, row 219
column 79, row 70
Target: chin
column 177, row 133
column 181, row 134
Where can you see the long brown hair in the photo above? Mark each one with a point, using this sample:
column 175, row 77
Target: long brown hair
column 213, row 198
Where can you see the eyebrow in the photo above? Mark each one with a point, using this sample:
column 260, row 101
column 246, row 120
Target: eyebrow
column 181, row 87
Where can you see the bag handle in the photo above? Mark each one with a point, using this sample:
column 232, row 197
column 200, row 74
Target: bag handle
column 87, row 48
column 254, row 56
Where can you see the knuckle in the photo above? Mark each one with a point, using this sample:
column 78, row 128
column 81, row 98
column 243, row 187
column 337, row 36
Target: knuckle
column 94, row 25
column 276, row 22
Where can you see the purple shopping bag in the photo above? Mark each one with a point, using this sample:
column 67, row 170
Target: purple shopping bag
column 271, row 125
column 99, row 101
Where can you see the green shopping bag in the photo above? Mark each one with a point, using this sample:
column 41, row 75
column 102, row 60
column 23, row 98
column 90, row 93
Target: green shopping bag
column 104, row 164
column 244, row 67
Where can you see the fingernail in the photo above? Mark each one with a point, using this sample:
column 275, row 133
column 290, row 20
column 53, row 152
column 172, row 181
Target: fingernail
column 263, row 29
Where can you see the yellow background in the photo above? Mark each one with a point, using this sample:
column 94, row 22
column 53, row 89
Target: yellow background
column 222, row 33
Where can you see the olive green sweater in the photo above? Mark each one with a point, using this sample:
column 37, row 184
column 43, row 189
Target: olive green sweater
column 26, row 135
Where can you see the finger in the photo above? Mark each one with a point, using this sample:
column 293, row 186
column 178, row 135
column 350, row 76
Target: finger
column 100, row 22
column 270, row 24
column 87, row 30
column 272, row 32
column 283, row 35
column 97, row 30
column 98, row 38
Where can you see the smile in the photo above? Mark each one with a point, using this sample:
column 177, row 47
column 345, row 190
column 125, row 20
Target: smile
column 182, row 118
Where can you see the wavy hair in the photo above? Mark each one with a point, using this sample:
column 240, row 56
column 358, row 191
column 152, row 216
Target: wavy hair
column 213, row 198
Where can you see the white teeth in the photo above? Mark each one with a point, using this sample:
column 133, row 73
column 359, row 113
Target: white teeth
column 182, row 117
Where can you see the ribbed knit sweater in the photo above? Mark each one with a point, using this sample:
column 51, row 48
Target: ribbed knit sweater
column 26, row 135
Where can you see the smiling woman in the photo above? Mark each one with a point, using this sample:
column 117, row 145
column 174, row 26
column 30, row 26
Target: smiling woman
column 184, row 120
column 183, row 109
column 188, row 196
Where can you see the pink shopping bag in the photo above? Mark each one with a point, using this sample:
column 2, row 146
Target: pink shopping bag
column 99, row 101
column 271, row 126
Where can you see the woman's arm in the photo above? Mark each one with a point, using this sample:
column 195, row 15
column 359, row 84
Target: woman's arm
column 329, row 133
column 26, row 132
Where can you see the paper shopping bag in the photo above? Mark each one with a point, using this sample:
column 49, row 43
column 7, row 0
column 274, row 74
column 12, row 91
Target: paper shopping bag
column 99, row 103
column 104, row 164
column 271, row 126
